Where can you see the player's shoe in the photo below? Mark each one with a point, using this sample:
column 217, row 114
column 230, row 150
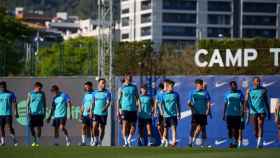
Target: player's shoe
column 33, row 144
column 15, row 143
column 68, row 143
column 129, row 143
column 2, row 144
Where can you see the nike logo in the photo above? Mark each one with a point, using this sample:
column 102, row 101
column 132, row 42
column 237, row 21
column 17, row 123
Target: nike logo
column 220, row 84
column 268, row 143
column 245, row 84
column 177, row 141
column 268, row 84
column 186, row 114
column 219, row 142
column 177, row 84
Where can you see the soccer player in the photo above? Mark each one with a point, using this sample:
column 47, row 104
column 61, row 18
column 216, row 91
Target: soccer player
column 170, row 108
column 160, row 125
column 59, row 113
column 36, row 105
column 101, row 104
column 128, row 102
column 277, row 120
column 7, row 102
column 199, row 102
column 145, row 115
column 86, row 112
column 233, row 114
column 257, row 101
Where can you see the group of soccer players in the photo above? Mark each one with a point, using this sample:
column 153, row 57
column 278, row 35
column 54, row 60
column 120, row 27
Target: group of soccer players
column 134, row 109
column 94, row 110
column 166, row 108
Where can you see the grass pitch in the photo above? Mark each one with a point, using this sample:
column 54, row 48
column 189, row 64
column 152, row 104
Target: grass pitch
column 116, row 152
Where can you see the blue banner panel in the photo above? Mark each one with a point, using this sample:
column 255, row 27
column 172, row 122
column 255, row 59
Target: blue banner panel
column 216, row 128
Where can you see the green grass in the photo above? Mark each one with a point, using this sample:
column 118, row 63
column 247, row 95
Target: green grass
column 114, row 152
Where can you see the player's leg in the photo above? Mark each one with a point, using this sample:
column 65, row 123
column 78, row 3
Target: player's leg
column 65, row 131
column 12, row 130
column 141, row 128
column 165, row 134
column 56, row 135
column 174, row 135
column 160, row 127
column 32, row 130
column 255, row 123
column 260, row 121
column 33, row 134
column 167, row 125
column 230, row 131
column 3, row 134
column 84, row 133
column 39, row 134
column 102, row 133
column 85, row 129
column 203, row 129
column 192, row 130
column 174, row 123
column 132, row 123
column 149, row 132
column 125, row 131
column 96, row 132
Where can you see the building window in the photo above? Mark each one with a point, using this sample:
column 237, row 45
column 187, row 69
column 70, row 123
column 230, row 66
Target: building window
column 259, row 20
column 219, row 19
column 125, row 21
column 179, row 4
column 125, row 11
column 146, row 18
column 178, row 31
column 266, row 33
column 219, row 6
column 218, row 32
column 178, row 43
column 146, row 31
column 125, row 36
column 178, row 18
column 145, row 5
column 260, row 7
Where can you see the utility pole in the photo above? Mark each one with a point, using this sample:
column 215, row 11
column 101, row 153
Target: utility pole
column 105, row 50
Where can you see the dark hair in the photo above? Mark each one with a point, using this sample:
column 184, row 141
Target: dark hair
column 256, row 78
column 101, row 79
column 198, row 81
column 3, row 84
column 88, row 83
column 38, row 84
column 170, row 82
column 55, row 88
column 161, row 86
column 233, row 83
column 144, row 86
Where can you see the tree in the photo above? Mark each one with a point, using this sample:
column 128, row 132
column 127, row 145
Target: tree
column 11, row 36
column 73, row 57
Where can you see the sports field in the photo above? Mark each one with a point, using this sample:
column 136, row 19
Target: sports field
column 115, row 152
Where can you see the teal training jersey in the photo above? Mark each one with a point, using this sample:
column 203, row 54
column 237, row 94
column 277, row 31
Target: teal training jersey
column 199, row 100
column 60, row 104
column 257, row 103
column 128, row 97
column 37, row 103
column 87, row 102
column 7, row 99
column 170, row 101
column 234, row 100
column 101, row 99
column 145, row 106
